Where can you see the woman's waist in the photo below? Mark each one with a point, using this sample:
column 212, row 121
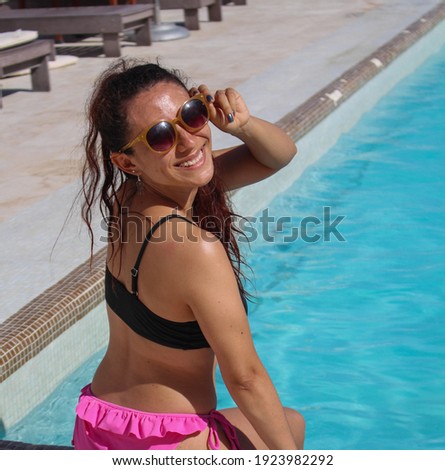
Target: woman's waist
column 156, row 394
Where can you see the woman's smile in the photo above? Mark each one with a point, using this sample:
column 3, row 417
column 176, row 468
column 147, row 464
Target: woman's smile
column 193, row 161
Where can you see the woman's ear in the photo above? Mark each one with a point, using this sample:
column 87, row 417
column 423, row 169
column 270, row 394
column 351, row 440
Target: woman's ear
column 124, row 162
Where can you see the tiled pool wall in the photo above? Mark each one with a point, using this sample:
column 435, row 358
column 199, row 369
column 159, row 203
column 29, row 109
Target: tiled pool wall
column 49, row 338
column 53, row 334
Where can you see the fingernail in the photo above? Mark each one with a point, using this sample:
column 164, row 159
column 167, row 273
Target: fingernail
column 230, row 117
column 209, row 98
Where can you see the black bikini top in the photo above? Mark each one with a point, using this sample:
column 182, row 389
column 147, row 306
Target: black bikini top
column 143, row 321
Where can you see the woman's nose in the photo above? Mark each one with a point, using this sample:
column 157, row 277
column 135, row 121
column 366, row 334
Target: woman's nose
column 186, row 140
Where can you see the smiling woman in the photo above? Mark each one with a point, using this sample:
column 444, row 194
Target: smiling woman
column 175, row 297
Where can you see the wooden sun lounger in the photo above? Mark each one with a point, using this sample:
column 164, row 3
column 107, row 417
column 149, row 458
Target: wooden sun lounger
column 191, row 7
column 107, row 20
column 34, row 55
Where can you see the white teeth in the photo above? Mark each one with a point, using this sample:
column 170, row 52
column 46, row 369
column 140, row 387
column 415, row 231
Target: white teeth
column 194, row 161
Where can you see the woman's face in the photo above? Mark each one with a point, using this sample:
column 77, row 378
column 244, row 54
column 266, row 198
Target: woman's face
column 189, row 163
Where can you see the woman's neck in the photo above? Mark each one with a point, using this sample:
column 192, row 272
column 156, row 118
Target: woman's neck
column 180, row 199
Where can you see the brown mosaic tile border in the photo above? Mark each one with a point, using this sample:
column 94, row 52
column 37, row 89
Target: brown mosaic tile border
column 42, row 320
column 38, row 323
column 301, row 120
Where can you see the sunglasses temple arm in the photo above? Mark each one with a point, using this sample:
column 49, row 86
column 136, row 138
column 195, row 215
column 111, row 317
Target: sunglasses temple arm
column 129, row 145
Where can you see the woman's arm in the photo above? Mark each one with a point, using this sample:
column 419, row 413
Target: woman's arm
column 207, row 283
column 265, row 149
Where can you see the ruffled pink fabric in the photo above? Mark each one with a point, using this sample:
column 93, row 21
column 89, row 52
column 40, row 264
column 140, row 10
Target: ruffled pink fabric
column 103, row 425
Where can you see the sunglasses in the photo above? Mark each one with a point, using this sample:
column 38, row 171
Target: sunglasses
column 162, row 136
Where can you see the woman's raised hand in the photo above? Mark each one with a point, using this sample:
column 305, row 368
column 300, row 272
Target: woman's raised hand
column 228, row 111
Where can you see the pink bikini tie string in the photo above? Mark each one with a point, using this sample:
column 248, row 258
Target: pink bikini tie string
column 214, row 441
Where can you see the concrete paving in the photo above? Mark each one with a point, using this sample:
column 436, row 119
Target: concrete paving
column 277, row 53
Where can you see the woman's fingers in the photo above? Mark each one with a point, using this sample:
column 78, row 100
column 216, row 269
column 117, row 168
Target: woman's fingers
column 193, row 91
column 204, row 89
column 225, row 102
column 232, row 96
column 227, row 108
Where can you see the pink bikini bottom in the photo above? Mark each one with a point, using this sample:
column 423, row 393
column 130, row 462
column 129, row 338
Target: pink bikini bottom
column 101, row 425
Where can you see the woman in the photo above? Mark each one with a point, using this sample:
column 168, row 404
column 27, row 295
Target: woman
column 175, row 300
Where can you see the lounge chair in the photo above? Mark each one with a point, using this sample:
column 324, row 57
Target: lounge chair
column 34, row 55
column 191, row 8
column 107, row 20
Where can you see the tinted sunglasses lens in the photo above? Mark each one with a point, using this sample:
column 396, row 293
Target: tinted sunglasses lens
column 194, row 114
column 161, row 137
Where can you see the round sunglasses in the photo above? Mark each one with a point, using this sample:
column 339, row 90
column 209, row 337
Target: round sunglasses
column 162, row 136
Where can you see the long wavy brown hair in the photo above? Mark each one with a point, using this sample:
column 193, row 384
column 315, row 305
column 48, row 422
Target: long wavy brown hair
column 108, row 131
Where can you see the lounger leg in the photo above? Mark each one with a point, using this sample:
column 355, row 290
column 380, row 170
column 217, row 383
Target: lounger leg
column 112, row 47
column 40, row 76
column 191, row 19
column 215, row 11
column 143, row 37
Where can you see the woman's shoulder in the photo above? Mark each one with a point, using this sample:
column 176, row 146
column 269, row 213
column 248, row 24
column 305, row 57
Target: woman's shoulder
column 183, row 256
column 180, row 232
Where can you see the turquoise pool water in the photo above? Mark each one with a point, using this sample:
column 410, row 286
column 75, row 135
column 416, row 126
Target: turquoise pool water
column 352, row 332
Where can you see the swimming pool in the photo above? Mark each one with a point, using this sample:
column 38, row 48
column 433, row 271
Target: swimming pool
column 355, row 326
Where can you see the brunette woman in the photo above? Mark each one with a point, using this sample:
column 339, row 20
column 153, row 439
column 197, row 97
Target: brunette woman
column 173, row 285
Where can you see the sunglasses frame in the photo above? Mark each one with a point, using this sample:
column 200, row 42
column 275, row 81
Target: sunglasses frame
column 142, row 136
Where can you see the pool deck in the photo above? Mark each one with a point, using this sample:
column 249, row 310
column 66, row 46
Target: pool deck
column 278, row 54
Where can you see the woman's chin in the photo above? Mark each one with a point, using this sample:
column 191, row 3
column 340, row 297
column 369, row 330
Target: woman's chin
column 201, row 175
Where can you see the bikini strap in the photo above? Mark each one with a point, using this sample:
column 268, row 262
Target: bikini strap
column 135, row 269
